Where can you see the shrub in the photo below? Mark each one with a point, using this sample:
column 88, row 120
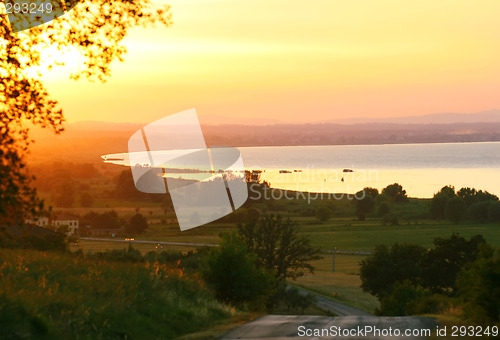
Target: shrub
column 119, row 255
column 323, row 214
column 233, row 275
column 293, row 298
column 387, row 266
column 138, row 224
column 402, row 300
column 479, row 290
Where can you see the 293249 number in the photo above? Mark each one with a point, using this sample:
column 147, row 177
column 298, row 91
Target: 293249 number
column 462, row 331
column 26, row 8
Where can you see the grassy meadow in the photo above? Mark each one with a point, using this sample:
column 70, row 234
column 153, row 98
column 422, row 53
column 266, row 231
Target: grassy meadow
column 48, row 295
column 341, row 233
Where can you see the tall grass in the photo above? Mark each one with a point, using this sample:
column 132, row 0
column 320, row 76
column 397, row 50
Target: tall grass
column 61, row 296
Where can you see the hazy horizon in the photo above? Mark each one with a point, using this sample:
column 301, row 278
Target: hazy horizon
column 491, row 115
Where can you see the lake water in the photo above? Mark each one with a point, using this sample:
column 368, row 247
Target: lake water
column 422, row 169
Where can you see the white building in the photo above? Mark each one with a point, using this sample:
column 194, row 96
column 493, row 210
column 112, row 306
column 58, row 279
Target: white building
column 68, row 220
column 39, row 221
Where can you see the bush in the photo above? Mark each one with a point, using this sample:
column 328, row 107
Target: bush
column 402, row 300
column 433, row 304
column 387, row 266
column 49, row 241
column 233, row 275
column 138, row 224
column 479, row 290
column 119, row 255
column 323, row 214
column 294, row 299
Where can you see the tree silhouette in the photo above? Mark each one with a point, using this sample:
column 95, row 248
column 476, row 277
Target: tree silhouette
column 323, row 213
column 138, row 224
column 278, row 246
column 395, row 192
column 96, row 29
column 365, row 202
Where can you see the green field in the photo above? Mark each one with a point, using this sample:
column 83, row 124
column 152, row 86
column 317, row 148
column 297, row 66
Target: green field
column 341, row 233
column 355, row 235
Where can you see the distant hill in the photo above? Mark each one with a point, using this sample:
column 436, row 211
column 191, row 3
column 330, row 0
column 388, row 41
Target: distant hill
column 490, row 116
column 87, row 141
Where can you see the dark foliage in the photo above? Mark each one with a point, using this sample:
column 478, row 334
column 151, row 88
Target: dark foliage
column 388, row 265
column 231, row 271
column 278, row 246
column 479, row 289
column 137, row 224
column 395, row 192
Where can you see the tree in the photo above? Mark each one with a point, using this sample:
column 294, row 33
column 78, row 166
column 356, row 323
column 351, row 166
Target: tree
column 395, row 192
column 371, row 192
column 386, row 266
column 105, row 220
column 138, row 224
column 323, row 213
column 471, row 196
column 232, row 272
column 438, row 204
column 455, row 209
column 278, row 246
column 479, row 289
column 442, row 263
column 100, row 29
column 365, row 203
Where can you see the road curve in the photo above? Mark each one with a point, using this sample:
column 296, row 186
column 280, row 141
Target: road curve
column 333, row 306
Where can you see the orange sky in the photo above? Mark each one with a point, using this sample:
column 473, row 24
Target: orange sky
column 299, row 61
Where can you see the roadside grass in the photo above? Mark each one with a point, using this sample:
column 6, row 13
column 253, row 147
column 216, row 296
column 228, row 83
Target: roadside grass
column 47, row 295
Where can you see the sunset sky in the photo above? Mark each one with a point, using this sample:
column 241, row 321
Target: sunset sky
column 299, row 61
